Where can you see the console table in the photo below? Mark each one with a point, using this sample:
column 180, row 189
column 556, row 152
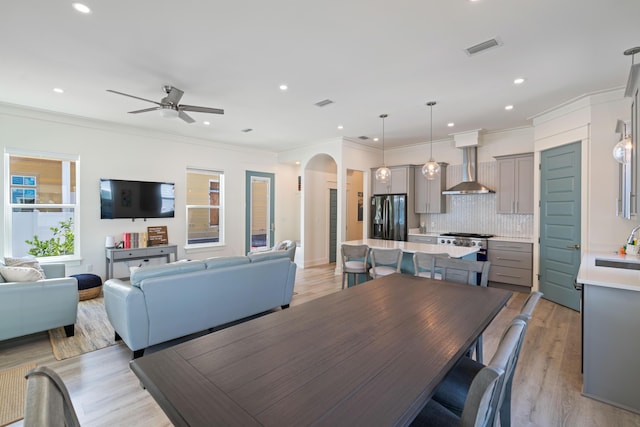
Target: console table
column 114, row 255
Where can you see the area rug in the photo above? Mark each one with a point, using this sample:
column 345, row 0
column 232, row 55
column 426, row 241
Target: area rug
column 93, row 331
column 13, row 387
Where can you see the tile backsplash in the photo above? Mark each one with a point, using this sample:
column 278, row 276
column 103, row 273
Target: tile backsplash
column 476, row 213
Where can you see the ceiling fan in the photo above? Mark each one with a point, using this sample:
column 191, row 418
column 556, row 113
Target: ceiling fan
column 169, row 107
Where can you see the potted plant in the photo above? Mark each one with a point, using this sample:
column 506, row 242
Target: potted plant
column 61, row 243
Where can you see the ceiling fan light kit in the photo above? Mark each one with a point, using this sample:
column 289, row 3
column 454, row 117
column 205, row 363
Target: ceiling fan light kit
column 169, row 106
column 431, row 169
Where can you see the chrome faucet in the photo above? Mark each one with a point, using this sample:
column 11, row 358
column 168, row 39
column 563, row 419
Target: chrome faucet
column 633, row 233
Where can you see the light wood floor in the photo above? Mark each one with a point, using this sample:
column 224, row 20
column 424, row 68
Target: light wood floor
column 546, row 391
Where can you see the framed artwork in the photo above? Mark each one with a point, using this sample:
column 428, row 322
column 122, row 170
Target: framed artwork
column 360, row 207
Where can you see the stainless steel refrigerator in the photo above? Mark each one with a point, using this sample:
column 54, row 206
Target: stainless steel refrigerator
column 389, row 217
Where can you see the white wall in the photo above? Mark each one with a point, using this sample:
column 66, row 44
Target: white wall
column 111, row 151
column 592, row 120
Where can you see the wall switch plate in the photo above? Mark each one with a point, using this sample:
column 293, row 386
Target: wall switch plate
column 89, row 268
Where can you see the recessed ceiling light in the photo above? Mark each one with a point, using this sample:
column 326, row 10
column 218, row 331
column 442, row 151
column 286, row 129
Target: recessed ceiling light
column 206, row 123
column 58, row 90
column 451, row 124
column 376, row 139
column 340, row 127
column 82, row 8
column 284, row 87
column 519, row 80
column 297, row 162
column 509, row 107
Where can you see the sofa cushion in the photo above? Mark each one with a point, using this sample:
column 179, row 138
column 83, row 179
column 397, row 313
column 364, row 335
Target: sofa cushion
column 267, row 255
column 165, row 270
column 21, row 274
column 26, row 261
column 226, row 261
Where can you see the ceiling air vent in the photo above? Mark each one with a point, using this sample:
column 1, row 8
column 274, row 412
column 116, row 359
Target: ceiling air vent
column 481, row 47
column 323, row 103
column 363, row 137
column 247, row 130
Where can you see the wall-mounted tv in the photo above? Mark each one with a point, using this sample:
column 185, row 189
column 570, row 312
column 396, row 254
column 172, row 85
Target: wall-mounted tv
column 136, row 199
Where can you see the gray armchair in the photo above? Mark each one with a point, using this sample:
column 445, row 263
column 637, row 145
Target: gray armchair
column 30, row 307
column 285, row 245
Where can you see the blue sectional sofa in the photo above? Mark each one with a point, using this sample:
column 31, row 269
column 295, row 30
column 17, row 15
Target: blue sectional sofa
column 36, row 306
column 173, row 300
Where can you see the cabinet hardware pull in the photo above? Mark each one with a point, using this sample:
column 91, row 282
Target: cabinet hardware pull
column 508, row 275
column 508, row 259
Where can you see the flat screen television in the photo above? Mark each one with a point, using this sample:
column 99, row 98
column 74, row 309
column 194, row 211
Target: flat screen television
column 136, row 199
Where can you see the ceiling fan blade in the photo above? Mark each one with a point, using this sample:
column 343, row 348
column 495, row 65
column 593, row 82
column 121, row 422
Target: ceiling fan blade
column 197, row 109
column 132, row 96
column 144, row 111
column 173, row 95
column 184, row 116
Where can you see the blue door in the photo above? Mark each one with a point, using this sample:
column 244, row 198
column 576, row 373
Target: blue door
column 560, row 224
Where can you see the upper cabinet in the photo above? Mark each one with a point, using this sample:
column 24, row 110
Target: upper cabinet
column 402, row 181
column 429, row 197
column 515, row 184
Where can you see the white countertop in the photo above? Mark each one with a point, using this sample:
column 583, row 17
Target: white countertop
column 412, row 247
column 610, row 277
column 512, row 239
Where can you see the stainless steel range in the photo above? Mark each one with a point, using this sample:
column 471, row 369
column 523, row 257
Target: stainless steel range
column 464, row 239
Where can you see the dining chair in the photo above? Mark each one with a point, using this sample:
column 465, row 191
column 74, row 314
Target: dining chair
column 47, row 400
column 451, row 391
column 354, row 261
column 463, row 270
column 481, row 395
column 385, row 262
column 525, row 314
column 423, row 264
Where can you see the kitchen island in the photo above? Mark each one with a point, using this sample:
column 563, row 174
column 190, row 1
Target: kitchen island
column 409, row 248
column 610, row 329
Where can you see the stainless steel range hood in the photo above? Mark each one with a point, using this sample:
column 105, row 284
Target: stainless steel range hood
column 469, row 185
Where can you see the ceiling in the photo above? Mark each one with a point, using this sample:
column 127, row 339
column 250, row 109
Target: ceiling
column 369, row 57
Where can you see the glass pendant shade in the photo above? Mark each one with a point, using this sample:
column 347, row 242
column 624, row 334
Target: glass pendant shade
column 431, row 170
column 383, row 174
column 622, row 151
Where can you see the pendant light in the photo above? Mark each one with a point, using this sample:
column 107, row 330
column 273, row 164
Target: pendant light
column 431, row 169
column 383, row 174
column 622, row 151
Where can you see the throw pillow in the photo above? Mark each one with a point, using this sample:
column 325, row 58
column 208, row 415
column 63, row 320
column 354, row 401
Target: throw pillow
column 27, row 261
column 20, row 274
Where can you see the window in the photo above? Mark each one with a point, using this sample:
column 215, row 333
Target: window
column 205, row 214
column 41, row 205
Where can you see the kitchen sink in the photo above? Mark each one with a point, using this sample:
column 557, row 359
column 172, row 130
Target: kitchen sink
column 627, row 265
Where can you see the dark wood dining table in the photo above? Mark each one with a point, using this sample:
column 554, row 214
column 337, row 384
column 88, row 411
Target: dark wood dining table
column 368, row 355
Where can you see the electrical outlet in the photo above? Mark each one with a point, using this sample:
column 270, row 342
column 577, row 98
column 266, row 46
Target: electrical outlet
column 519, row 228
column 433, row 225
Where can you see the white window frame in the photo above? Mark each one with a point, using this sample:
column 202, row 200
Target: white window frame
column 9, row 206
column 220, row 207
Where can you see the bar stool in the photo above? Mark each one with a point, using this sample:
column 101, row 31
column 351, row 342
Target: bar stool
column 385, row 262
column 354, row 261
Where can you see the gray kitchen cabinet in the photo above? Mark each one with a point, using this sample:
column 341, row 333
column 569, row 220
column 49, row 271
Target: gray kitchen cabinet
column 424, row 239
column 514, row 194
column 428, row 196
column 401, row 182
column 511, row 263
column 610, row 345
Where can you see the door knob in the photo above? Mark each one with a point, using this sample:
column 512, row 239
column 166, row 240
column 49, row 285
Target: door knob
column 576, row 247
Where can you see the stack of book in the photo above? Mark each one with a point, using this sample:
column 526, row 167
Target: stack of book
column 134, row 240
